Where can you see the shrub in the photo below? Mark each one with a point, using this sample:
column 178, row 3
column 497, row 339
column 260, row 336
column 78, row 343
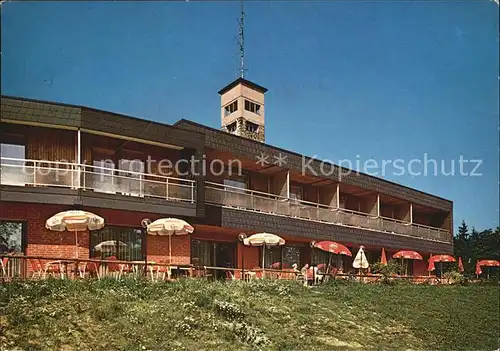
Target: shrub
column 392, row 267
column 454, row 277
column 228, row 310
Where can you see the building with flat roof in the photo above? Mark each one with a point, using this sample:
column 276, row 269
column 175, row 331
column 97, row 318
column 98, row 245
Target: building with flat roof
column 224, row 182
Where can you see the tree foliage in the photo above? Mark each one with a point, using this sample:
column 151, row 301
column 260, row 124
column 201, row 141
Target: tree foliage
column 476, row 245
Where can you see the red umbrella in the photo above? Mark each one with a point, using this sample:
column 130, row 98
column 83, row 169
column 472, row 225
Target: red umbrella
column 460, row 265
column 410, row 255
column 442, row 258
column 431, row 266
column 383, row 259
column 488, row 263
column 333, row 248
column 478, row 269
column 439, row 258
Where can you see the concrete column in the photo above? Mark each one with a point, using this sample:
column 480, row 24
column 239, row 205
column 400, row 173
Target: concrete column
column 378, row 205
column 338, row 196
column 287, row 184
column 411, row 213
column 78, row 157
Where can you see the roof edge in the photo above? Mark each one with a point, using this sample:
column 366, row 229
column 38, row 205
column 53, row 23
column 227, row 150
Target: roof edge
column 244, row 82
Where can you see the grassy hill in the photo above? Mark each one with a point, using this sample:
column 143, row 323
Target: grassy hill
column 267, row 315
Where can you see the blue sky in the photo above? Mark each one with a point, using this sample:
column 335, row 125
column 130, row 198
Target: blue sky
column 347, row 80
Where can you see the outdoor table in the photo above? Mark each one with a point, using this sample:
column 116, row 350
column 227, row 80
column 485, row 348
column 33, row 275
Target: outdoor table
column 62, row 262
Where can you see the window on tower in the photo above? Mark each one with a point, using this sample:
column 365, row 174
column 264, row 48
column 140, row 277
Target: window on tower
column 251, row 127
column 231, row 127
column 233, row 106
column 252, row 107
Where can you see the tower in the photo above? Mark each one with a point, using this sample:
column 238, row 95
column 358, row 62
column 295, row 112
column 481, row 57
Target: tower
column 242, row 101
column 242, row 109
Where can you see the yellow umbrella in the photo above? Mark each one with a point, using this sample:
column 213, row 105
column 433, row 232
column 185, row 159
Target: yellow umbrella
column 170, row 226
column 264, row 239
column 74, row 221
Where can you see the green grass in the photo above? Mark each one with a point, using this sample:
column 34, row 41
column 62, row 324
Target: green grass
column 267, row 315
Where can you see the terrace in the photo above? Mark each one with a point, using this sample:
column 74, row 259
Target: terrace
column 103, row 179
column 258, row 201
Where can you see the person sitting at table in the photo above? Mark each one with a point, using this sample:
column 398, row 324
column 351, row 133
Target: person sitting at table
column 303, row 273
column 295, row 267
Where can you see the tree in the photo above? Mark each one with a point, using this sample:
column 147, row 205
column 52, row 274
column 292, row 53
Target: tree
column 462, row 247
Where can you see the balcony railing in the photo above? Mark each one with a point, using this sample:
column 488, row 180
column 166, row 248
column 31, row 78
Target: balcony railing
column 229, row 196
column 36, row 173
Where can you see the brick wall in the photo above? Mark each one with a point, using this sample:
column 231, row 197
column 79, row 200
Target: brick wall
column 41, row 241
column 157, row 248
column 44, row 242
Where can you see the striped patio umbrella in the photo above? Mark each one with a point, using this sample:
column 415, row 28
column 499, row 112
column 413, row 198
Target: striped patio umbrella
column 109, row 245
column 74, row 221
column 360, row 261
column 169, row 226
column 264, row 239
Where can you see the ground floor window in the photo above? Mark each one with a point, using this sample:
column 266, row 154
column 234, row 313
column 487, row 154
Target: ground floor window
column 124, row 243
column 12, row 237
column 282, row 257
column 323, row 257
column 213, row 253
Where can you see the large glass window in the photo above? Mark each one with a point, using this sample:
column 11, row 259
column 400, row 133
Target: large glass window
column 322, row 257
column 12, row 151
column 12, row 160
column 212, row 253
column 202, row 253
column 122, row 242
column 291, row 256
column 282, row 257
column 12, row 237
column 272, row 257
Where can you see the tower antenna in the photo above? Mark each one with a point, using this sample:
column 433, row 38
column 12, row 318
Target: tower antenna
column 241, row 41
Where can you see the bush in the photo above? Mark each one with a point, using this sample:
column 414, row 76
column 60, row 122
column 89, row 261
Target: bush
column 391, row 268
column 454, row 277
column 228, row 310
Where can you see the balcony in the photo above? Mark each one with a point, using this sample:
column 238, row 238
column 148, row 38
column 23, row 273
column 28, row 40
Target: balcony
column 250, row 200
column 36, row 173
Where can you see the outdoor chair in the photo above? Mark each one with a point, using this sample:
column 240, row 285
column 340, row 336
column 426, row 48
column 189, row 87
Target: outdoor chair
column 237, row 275
column 36, row 268
column 4, row 263
column 164, row 271
column 91, row 268
column 113, row 268
column 229, row 275
column 52, row 268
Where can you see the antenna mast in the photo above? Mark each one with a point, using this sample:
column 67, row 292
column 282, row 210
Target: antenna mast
column 241, row 41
